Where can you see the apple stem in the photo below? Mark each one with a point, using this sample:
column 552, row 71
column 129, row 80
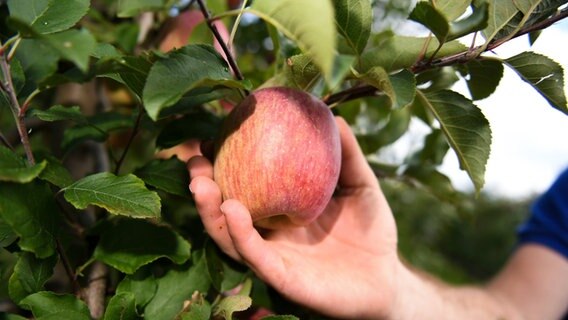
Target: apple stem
column 217, row 35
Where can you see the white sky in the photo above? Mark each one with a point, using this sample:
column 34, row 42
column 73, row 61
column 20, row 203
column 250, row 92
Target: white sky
column 530, row 138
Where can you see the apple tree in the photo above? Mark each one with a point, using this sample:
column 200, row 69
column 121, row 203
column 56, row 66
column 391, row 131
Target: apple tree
column 102, row 102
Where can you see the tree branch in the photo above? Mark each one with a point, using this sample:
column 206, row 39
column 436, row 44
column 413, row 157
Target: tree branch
column 5, row 141
column 217, row 35
column 129, row 143
column 67, row 266
column 462, row 57
column 95, row 293
column 17, row 111
column 474, row 53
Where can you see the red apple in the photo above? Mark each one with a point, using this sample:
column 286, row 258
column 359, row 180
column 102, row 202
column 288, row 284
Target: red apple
column 181, row 27
column 280, row 155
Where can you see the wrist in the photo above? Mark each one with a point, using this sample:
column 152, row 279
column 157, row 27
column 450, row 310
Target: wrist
column 413, row 295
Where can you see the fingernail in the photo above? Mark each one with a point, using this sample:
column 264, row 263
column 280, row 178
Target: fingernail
column 190, row 190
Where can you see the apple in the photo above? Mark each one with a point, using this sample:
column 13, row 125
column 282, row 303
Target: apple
column 180, row 29
column 279, row 154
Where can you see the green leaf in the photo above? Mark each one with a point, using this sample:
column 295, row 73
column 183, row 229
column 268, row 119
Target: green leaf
column 18, row 76
column 130, row 8
column 55, row 173
column 49, row 16
column 224, row 273
column 201, row 126
column 15, row 169
column 30, row 275
column 141, row 284
column 176, row 286
column 168, row 175
column 59, row 113
column 426, row 14
column 476, row 21
column 341, row 69
column 38, row 59
column 484, row 77
column 353, row 19
column 404, row 85
column 128, row 244
column 394, row 127
column 400, row 88
column 302, row 73
column 122, row 306
column 10, row 316
column 130, row 71
column 400, row 52
column 73, row 45
column 452, row 9
column 433, row 152
column 544, row 74
column 48, row 305
column 182, row 70
column 298, row 72
column 97, row 128
column 199, row 309
column 500, row 13
column 466, row 129
column 196, row 98
column 231, row 304
column 32, row 214
column 314, row 33
column 437, row 79
column 7, row 235
column 120, row 195
column 434, row 181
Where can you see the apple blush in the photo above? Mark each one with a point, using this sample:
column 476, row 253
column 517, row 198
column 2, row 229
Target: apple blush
column 279, row 154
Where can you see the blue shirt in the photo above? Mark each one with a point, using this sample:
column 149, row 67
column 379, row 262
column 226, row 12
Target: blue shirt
column 548, row 224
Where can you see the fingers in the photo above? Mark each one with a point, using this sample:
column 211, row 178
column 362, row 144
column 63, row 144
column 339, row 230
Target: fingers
column 254, row 250
column 355, row 171
column 208, row 199
column 199, row 166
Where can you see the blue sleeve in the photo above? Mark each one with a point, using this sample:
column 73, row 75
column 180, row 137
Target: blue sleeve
column 548, row 224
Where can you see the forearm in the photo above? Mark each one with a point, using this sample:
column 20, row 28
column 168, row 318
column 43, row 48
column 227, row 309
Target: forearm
column 420, row 296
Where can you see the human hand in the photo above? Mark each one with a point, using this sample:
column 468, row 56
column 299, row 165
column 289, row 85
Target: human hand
column 343, row 264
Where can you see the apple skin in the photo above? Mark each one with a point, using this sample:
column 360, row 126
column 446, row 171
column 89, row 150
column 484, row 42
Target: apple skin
column 279, row 154
column 179, row 31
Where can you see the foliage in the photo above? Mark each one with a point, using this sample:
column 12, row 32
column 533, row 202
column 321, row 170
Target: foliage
column 87, row 99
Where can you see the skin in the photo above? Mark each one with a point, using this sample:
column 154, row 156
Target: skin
column 345, row 264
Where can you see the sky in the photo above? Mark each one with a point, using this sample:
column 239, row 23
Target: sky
column 530, row 138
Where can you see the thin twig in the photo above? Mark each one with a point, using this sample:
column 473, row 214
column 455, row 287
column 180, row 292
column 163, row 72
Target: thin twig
column 237, row 22
column 6, row 142
column 8, row 88
column 351, row 94
column 67, row 266
column 129, row 143
column 217, row 35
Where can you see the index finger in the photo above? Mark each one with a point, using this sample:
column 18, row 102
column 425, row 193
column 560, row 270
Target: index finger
column 355, row 171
